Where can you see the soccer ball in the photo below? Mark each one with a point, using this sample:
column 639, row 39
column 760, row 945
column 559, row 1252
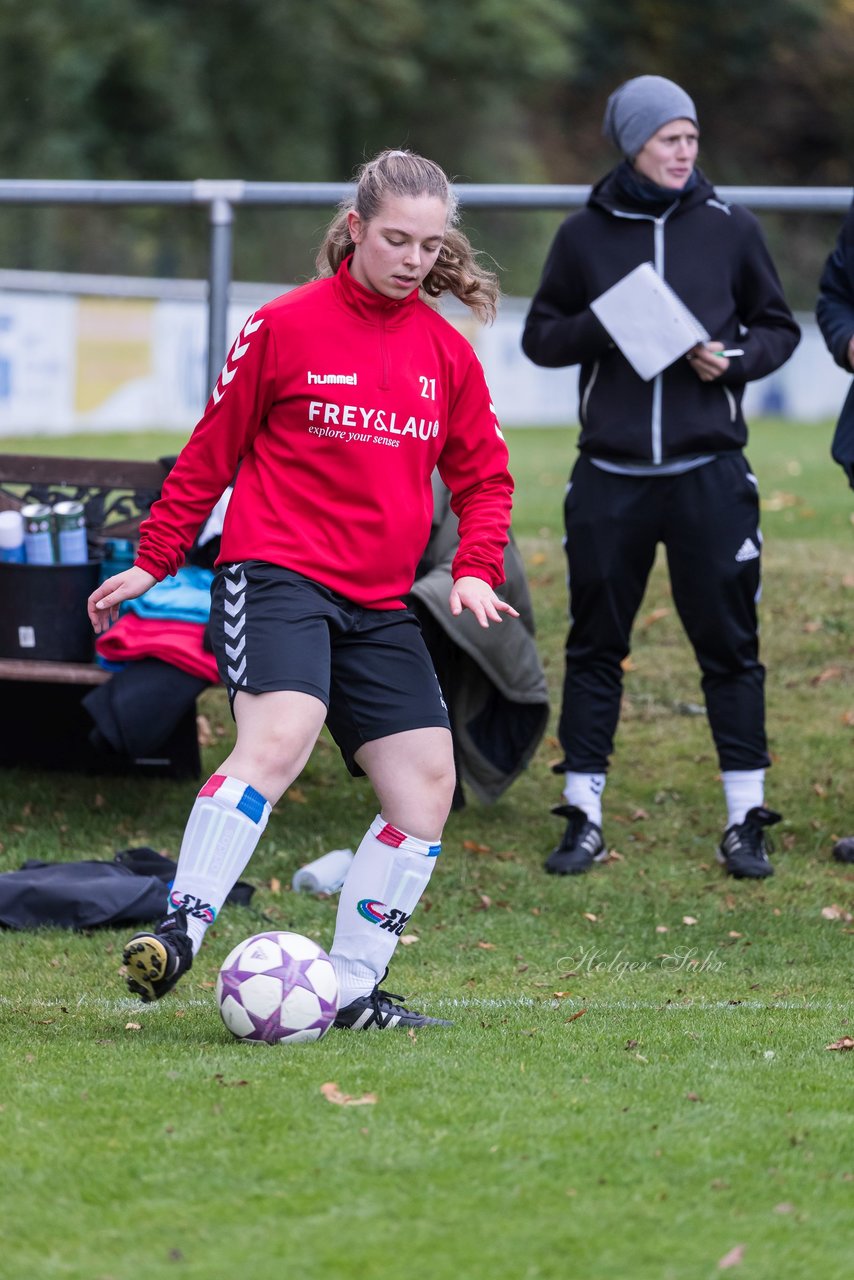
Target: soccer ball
column 277, row 987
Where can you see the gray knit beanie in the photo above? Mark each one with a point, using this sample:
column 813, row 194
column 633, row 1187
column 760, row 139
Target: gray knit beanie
column 640, row 107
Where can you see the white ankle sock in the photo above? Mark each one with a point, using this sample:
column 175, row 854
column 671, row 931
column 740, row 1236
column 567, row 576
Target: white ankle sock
column 584, row 790
column 225, row 824
column 386, row 879
column 744, row 789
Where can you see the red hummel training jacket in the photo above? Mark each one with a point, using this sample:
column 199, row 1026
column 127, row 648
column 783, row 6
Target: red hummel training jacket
column 338, row 403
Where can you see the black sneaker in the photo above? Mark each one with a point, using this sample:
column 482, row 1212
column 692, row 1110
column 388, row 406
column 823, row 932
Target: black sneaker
column 744, row 847
column 580, row 847
column 377, row 1011
column 155, row 961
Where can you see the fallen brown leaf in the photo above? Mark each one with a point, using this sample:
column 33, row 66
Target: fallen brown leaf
column 204, row 732
column 689, row 920
column 778, row 501
column 473, row 847
column 846, row 1043
column 408, row 939
column 835, row 912
column 578, row 1014
column 588, row 915
column 732, row 1259
column 829, row 673
column 485, row 946
column 133, row 1026
column 333, row 1094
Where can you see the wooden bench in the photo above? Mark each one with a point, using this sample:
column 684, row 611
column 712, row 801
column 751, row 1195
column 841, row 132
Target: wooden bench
column 46, row 726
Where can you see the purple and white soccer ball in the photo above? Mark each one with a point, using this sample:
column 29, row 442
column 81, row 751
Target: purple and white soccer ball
column 277, row 987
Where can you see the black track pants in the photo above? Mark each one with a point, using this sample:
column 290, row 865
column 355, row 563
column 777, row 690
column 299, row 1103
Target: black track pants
column 708, row 522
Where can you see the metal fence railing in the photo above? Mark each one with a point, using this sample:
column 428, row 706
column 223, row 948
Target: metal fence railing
column 222, row 198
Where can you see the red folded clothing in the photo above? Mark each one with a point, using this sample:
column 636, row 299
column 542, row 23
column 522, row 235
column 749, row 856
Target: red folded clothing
column 180, row 643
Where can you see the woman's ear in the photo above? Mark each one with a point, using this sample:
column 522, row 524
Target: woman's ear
column 354, row 226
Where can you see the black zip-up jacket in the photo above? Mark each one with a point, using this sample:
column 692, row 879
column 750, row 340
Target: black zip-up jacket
column 715, row 257
column 835, row 315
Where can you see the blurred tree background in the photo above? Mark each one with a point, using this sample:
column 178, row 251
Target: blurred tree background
column 304, row 90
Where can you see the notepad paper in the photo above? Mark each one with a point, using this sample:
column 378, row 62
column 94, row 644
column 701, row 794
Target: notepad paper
column 648, row 321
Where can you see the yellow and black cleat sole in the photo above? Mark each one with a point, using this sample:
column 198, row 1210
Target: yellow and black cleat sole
column 146, row 961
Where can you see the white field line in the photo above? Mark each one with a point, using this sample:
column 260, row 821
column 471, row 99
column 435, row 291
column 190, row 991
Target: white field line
column 687, row 1006
column 127, row 1005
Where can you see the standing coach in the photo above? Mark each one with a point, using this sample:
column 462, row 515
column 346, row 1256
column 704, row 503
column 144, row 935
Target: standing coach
column 661, row 461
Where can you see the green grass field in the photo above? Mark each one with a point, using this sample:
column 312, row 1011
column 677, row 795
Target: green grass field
column 638, row 1081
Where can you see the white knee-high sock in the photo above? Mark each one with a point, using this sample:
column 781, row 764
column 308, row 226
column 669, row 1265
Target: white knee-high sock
column 386, row 879
column 584, row 790
column 744, row 789
column 225, row 824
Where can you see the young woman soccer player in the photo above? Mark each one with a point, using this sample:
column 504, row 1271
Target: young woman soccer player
column 335, row 405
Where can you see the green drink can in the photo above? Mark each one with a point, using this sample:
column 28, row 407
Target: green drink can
column 70, row 524
column 38, row 533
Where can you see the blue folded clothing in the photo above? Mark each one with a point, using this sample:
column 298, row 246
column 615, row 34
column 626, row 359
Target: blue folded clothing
column 184, row 597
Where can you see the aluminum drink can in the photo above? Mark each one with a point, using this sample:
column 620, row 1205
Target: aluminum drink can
column 70, row 524
column 38, row 533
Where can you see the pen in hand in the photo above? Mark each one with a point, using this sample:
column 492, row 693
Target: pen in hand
column 728, row 355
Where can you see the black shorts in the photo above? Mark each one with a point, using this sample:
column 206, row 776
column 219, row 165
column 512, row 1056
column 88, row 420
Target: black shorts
column 273, row 629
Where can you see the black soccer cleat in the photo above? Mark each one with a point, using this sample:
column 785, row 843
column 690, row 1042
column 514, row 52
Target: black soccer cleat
column 743, row 851
column 580, row 846
column 378, row 1011
column 155, row 961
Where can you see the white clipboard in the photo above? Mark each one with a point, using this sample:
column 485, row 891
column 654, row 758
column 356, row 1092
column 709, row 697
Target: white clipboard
column 648, row 321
